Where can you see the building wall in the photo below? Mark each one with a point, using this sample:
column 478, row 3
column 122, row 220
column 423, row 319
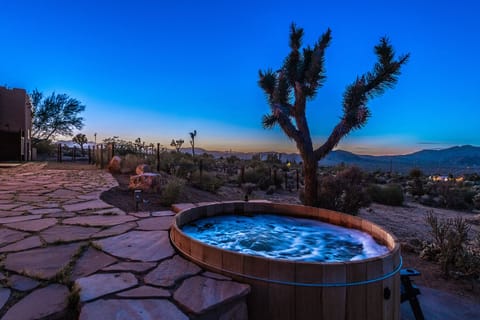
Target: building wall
column 15, row 125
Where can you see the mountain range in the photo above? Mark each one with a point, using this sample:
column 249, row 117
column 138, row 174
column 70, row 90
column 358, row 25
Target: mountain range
column 454, row 160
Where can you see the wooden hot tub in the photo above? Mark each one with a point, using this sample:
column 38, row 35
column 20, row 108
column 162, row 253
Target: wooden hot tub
column 282, row 289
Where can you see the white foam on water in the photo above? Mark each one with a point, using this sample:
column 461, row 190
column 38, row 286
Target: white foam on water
column 284, row 237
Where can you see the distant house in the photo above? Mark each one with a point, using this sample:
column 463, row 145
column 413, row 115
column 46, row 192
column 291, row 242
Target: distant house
column 15, row 125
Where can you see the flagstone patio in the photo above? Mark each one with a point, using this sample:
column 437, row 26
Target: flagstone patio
column 66, row 254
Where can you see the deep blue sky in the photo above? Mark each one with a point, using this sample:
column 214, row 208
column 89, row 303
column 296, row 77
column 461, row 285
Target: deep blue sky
column 160, row 69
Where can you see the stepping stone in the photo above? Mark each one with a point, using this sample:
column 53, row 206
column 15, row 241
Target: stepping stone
column 62, row 194
column 163, row 213
column 208, row 293
column 4, row 295
column 9, row 236
column 67, row 233
column 99, row 221
column 43, row 263
column 145, row 309
column 22, row 283
column 139, row 245
column 49, row 302
column 157, row 223
column 8, row 206
column 33, row 225
column 28, row 243
column 171, row 270
column 87, row 205
column 216, row 276
column 130, row 266
column 116, row 230
column 60, row 214
column 45, row 210
column 98, row 285
column 140, row 214
column 18, row 218
column 145, row 292
column 91, row 261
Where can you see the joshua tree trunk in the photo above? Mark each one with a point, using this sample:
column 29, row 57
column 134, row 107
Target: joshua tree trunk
column 302, row 73
column 310, row 171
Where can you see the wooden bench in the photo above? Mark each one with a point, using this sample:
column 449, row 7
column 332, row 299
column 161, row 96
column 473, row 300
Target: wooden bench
column 409, row 291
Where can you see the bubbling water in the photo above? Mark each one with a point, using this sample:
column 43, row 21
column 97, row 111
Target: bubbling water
column 284, row 237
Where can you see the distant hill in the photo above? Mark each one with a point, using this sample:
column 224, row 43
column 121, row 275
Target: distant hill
column 454, row 160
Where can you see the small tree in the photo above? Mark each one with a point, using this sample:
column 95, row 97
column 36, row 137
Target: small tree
column 80, row 139
column 192, row 142
column 177, row 144
column 298, row 80
column 55, row 115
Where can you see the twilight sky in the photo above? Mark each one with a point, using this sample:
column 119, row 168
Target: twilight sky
column 160, row 69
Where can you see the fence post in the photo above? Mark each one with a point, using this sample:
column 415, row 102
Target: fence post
column 286, row 180
column 101, row 156
column 74, row 153
column 89, row 156
column 60, row 152
column 158, row 157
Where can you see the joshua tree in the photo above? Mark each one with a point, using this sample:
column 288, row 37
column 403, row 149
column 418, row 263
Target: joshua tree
column 177, row 144
column 298, row 80
column 192, row 142
column 80, row 139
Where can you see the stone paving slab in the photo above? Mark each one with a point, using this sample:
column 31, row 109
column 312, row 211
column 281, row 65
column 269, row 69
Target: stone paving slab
column 33, row 225
column 22, row 283
column 27, row 243
column 156, row 223
column 144, row 246
column 8, row 236
column 130, row 266
column 145, row 292
column 171, row 270
column 115, row 230
column 4, row 295
column 68, row 233
column 99, row 221
column 49, row 301
column 87, row 205
column 42, row 263
column 208, row 293
column 91, row 261
column 98, row 285
column 122, row 309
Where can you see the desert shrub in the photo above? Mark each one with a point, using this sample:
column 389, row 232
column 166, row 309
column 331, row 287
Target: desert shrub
column 390, row 194
column 172, row 191
column 206, row 181
column 344, row 192
column 261, row 176
column 476, row 201
column 450, row 246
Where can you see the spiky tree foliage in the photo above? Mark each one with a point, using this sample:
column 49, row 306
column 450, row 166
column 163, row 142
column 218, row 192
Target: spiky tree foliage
column 55, row 115
column 192, row 142
column 81, row 140
column 298, row 80
column 177, row 144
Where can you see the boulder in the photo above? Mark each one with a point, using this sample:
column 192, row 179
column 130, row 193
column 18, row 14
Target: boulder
column 114, row 166
column 148, row 182
column 143, row 168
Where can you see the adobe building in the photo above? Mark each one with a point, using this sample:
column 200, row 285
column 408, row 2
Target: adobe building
column 15, row 125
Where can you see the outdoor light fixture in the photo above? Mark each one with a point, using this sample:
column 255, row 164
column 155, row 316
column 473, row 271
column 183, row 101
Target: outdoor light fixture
column 137, row 196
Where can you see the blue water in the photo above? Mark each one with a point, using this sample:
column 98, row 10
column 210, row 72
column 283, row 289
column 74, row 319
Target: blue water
column 283, row 237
